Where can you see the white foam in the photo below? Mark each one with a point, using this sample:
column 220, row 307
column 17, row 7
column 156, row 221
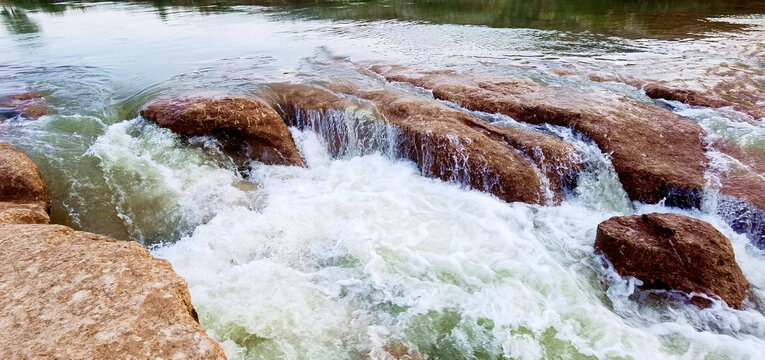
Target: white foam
column 349, row 255
column 162, row 185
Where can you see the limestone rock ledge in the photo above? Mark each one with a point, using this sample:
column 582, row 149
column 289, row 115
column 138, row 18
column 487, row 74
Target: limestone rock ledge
column 67, row 294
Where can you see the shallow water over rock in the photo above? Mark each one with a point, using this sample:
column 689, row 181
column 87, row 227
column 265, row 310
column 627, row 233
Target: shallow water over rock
column 365, row 252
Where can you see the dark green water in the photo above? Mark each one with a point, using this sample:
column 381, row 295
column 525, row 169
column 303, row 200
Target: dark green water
column 652, row 18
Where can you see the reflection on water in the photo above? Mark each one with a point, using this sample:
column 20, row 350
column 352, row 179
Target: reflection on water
column 653, row 18
column 17, row 21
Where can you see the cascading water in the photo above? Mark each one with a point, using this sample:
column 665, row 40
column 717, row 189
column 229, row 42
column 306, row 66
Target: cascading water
column 359, row 253
column 351, row 255
column 742, row 131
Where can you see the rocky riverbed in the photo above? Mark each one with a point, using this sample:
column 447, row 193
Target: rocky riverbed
column 334, row 181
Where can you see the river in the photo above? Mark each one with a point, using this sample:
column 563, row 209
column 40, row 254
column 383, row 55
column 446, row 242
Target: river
column 357, row 253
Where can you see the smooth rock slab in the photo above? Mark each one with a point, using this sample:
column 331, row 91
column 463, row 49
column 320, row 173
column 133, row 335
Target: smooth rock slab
column 66, row 294
column 674, row 252
column 737, row 86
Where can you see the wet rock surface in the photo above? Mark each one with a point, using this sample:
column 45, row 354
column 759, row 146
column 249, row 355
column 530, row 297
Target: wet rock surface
column 674, row 252
column 656, row 153
column 741, row 176
column 73, row 295
column 23, row 194
column 736, row 86
column 312, row 108
column 513, row 164
column 244, row 123
column 29, row 105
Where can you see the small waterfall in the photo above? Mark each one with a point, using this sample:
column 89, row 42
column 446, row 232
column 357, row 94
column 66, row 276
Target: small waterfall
column 597, row 185
column 353, row 131
column 358, row 130
column 369, row 253
column 728, row 126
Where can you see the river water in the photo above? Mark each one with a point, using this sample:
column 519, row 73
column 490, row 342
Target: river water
column 357, row 255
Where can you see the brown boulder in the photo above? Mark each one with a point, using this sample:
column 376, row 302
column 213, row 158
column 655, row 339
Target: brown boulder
column 73, row 295
column 30, row 105
column 452, row 145
column 242, row 122
column 656, row 153
column 15, row 213
column 21, row 184
column 674, row 252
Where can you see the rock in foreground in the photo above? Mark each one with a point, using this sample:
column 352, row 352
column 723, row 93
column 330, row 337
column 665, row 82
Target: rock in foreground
column 67, row 294
column 674, row 252
column 247, row 124
column 13, row 213
column 23, row 195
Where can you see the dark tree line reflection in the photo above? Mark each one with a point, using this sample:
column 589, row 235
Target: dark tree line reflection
column 628, row 18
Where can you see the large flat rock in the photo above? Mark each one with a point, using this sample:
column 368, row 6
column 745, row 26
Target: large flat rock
column 68, row 294
column 657, row 154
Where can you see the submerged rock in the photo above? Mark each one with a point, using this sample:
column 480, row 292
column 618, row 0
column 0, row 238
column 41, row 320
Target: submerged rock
column 674, row 252
column 74, row 295
column 23, row 195
column 657, row 154
column 513, row 164
column 29, row 105
column 400, row 352
column 247, row 124
column 737, row 86
column 688, row 96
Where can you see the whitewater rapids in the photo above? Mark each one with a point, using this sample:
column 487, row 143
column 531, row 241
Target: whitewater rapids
column 350, row 256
